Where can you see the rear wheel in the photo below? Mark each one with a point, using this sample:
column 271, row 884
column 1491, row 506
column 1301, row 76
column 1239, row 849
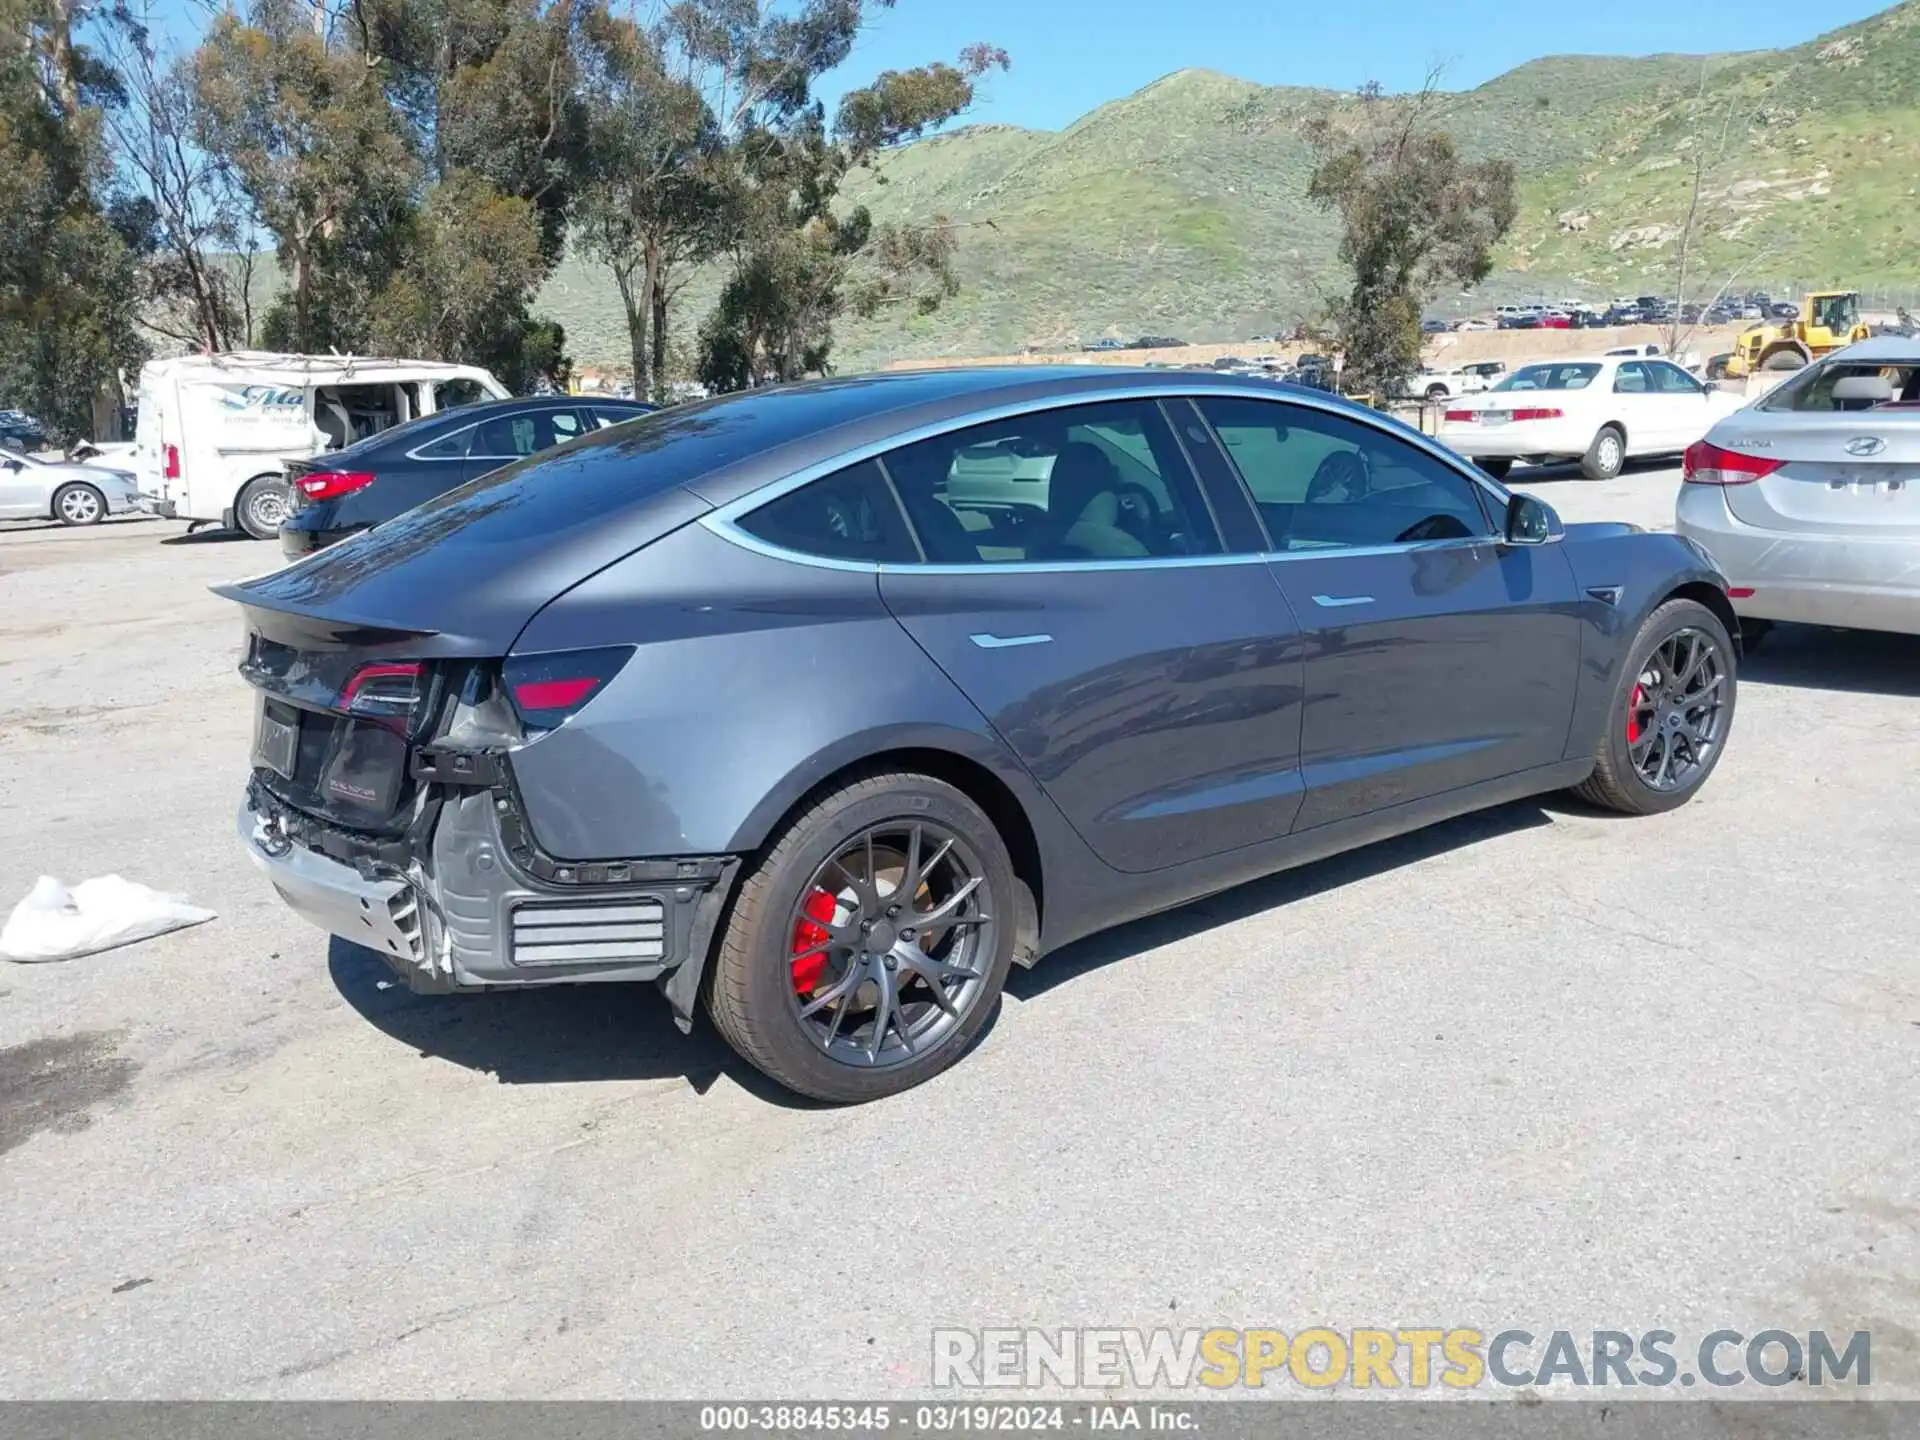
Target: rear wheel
column 868, row 948
column 78, row 503
column 1605, row 455
column 1436, row 393
column 1752, row 633
column 261, row 506
column 1671, row 713
column 1497, row 468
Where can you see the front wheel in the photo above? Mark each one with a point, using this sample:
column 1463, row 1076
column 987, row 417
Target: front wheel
column 1671, row 714
column 78, row 503
column 261, row 506
column 867, row 949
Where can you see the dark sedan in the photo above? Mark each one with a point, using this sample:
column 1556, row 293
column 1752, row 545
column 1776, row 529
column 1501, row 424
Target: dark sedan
column 346, row 491
column 824, row 705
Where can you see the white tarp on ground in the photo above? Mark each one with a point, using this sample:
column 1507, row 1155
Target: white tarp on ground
column 55, row 923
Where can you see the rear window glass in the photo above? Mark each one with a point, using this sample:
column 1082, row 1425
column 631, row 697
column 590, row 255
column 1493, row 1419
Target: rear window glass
column 1872, row 387
column 1564, row 376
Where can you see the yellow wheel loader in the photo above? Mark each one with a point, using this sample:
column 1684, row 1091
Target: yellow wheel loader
column 1827, row 320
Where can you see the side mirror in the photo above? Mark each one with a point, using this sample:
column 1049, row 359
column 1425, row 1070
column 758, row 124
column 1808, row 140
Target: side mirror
column 1709, row 386
column 1531, row 521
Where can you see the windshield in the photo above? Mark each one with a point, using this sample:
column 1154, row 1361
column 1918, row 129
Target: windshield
column 1562, row 376
column 1812, row 389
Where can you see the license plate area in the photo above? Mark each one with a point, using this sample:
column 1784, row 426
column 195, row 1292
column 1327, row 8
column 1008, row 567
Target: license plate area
column 276, row 739
column 350, row 770
column 1495, row 417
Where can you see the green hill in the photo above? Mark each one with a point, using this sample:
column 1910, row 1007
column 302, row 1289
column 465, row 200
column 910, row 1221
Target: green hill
column 1181, row 209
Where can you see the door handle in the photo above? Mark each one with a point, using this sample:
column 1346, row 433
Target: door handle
column 1334, row 602
column 1007, row 642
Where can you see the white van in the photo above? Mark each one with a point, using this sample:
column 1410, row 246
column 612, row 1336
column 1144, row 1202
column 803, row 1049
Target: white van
column 214, row 430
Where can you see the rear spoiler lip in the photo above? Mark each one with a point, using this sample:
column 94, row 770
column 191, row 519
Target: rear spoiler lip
column 319, row 624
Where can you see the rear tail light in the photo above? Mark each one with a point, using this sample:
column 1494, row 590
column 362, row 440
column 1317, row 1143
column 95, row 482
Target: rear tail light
column 1538, row 414
column 387, row 693
column 1708, row 464
column 1460, row 415
column 332, row 484
column 547, row 689
column 170, row 458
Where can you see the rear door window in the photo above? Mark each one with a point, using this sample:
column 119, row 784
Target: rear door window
column 1081, row 483
column 513, row 437
column 1631, row 379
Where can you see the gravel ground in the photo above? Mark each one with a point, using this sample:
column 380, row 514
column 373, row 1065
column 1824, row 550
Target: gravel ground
column 1537, row 1068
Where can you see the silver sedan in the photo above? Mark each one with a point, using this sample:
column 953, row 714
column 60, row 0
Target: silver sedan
column 34, row 489
column 1809, row 498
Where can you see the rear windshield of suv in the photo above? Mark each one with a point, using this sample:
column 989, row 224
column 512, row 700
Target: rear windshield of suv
column 1812, row 388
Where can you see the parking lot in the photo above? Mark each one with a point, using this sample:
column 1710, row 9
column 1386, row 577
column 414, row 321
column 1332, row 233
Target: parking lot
column 1539, row 1068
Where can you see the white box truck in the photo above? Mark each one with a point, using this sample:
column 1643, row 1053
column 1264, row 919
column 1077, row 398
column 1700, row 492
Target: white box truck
column 214, row 430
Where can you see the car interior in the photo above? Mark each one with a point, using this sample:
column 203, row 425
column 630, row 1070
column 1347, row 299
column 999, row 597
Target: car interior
column 1849, row 387
column 349, row 413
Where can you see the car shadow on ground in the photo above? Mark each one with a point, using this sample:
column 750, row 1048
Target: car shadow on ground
column 557, row 1034
column 1272, row 891
column 206, row 535
column 1859, row 661
column 566, row 1034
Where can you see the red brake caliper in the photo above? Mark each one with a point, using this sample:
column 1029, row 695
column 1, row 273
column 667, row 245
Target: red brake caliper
column 808, row 932
column 1634, row 703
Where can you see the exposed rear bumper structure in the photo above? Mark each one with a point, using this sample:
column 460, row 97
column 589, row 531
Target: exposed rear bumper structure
column 466, row 915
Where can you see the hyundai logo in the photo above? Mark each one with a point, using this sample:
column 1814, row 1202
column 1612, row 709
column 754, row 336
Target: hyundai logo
column 1865, row 445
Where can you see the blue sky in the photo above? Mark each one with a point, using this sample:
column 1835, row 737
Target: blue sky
column 1071, row 55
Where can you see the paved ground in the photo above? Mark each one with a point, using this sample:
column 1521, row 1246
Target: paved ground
column 1538, row 1067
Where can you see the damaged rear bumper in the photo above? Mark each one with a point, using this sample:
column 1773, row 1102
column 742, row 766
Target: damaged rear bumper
column 462, row 911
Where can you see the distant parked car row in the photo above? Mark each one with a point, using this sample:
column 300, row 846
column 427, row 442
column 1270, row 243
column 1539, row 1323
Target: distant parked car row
column 1146, row 342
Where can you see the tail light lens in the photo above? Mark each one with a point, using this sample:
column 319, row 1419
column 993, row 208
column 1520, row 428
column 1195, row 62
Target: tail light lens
column 170, row 461
column 1538, row 413
column 332, row 484
column 547, row 689
column 388, row 693
column 1466, row 415
column 1708, row 464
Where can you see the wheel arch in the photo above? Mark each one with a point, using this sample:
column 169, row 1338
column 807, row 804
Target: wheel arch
column 952, row 760
column 1703, row 592
column 1785, row 347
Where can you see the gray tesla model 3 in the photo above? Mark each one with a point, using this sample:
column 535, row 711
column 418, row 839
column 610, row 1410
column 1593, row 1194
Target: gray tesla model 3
column 826, row 704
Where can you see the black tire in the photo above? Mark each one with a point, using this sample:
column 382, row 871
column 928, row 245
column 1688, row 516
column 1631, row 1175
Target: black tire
column 751, row 993
column 1436, row 393
column 1784, row 360
column 1753, row 633
column 260, row 506
column 78, row 503
column 1607, row 455
column 1616, row 783
column 1498, row 469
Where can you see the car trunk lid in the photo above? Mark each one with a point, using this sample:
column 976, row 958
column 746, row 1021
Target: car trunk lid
column 1841, row 473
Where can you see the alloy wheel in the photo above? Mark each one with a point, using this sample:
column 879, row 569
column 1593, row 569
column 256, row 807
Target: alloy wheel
column 79, row 506
column 1675, row 710
column 891, row 942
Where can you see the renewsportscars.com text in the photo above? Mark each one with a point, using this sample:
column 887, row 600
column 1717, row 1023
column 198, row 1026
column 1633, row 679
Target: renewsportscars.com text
column 1401, row 1357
